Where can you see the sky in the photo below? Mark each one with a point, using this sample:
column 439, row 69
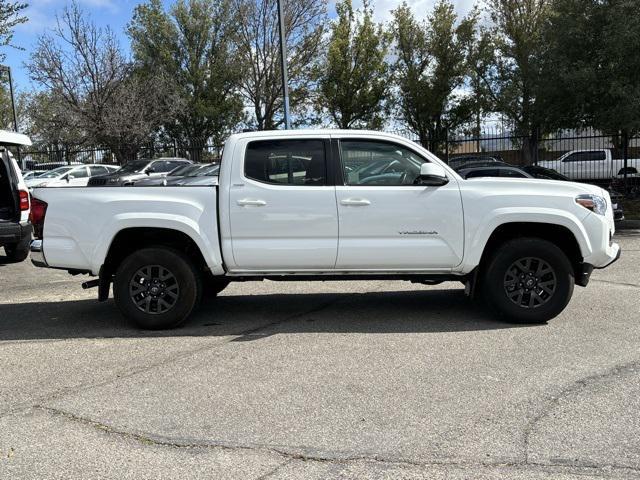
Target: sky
column 117, row 13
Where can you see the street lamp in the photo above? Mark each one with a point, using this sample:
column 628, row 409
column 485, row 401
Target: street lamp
column 283, row 65
column 4, row 68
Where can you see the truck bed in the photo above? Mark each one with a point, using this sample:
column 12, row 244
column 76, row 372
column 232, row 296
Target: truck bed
column 81, row 222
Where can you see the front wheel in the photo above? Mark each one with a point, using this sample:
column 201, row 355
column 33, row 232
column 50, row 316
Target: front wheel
column 156, row 288
column 528, row 280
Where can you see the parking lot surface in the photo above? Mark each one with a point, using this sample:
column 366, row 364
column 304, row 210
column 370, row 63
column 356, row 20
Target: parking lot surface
column 325, row 380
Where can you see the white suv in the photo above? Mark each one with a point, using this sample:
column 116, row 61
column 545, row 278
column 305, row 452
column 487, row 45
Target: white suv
column 15, row 229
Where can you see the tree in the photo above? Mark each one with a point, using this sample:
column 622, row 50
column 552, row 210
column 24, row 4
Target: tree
column 10, row 17
column 432, row 64
column 259, row 52
column 83, row 69
column 51, row 125
column 516, row 79
column 592, row 64
column 352, row 78
column 193, row 45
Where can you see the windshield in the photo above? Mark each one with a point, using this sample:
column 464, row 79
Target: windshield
column 134, row 167
column 56, row 172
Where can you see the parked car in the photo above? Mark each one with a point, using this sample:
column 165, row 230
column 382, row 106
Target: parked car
column 537, row 171
column 32, row 174
column 594, row 164
column 70, row 176
column 519, row 243
column 15, row 228
column 175, row 174
column 136, row 170
column 473, row 159
column 205, row 177
column 492, row 170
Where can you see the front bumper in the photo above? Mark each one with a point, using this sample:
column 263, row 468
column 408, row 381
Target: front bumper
column 37, row 254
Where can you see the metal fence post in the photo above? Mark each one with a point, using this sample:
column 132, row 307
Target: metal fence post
column 625, row 153
column 446, row 145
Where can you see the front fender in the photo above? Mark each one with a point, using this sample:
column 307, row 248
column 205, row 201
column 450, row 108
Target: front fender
column 477, row 239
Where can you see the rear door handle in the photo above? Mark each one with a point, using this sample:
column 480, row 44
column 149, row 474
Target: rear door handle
column 355, row 202
column 250, row 202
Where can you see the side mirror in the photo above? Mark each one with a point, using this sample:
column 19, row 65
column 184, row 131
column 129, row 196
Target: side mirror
column 149, row 171
column 432, row 175
column 69, row 177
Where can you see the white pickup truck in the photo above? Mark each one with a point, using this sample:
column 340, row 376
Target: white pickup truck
column 326, row 205
column 594, row 164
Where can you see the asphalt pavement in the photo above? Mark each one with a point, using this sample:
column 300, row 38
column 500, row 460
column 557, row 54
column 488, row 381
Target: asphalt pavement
column 331, row 380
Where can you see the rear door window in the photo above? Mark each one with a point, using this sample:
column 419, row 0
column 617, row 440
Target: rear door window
column 286, row 162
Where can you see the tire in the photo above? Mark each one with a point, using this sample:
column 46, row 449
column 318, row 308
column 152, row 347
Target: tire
column 18, row 252
column 157, row 288
column 528, row 280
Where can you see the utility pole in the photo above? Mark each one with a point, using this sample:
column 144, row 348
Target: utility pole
column 283, row 65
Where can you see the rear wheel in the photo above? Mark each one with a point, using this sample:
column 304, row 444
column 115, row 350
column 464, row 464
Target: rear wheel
column 156, row 288
column 528, row 280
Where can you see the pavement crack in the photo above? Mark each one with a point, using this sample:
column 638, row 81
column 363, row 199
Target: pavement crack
column 553, row 401
column 291, row 454
column 243, row 335
column 622, row 284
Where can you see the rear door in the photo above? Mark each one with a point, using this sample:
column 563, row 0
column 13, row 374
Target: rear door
column 386, row 221
column 282, row 207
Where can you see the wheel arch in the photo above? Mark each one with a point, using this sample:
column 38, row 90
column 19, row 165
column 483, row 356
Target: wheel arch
column 559, row 235
column 128, row 240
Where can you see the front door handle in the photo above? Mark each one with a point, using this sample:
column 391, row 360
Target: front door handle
column 355, row 202
column 250, row 202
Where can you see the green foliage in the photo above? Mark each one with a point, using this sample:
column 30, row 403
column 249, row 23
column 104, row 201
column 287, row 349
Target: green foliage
column 516, row 80
column 592, row 64
column 432, row 64
column 10, row 17
column 193, row 47
column 353, row 78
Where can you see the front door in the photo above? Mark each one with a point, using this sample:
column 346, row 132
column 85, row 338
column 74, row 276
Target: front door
column 386, row 221
column 283, row 214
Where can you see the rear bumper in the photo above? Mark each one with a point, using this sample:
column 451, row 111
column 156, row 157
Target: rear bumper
column 37, row 254
column 12, row 233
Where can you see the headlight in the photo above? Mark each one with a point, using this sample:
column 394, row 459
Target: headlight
column 592, row 202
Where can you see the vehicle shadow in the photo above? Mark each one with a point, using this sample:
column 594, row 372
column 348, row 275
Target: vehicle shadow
column 252, row 317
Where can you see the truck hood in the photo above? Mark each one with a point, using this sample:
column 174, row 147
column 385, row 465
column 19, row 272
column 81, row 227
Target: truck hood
column 535, row 186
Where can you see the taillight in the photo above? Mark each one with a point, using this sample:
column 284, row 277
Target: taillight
column 38, row 211
column 24, row 201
